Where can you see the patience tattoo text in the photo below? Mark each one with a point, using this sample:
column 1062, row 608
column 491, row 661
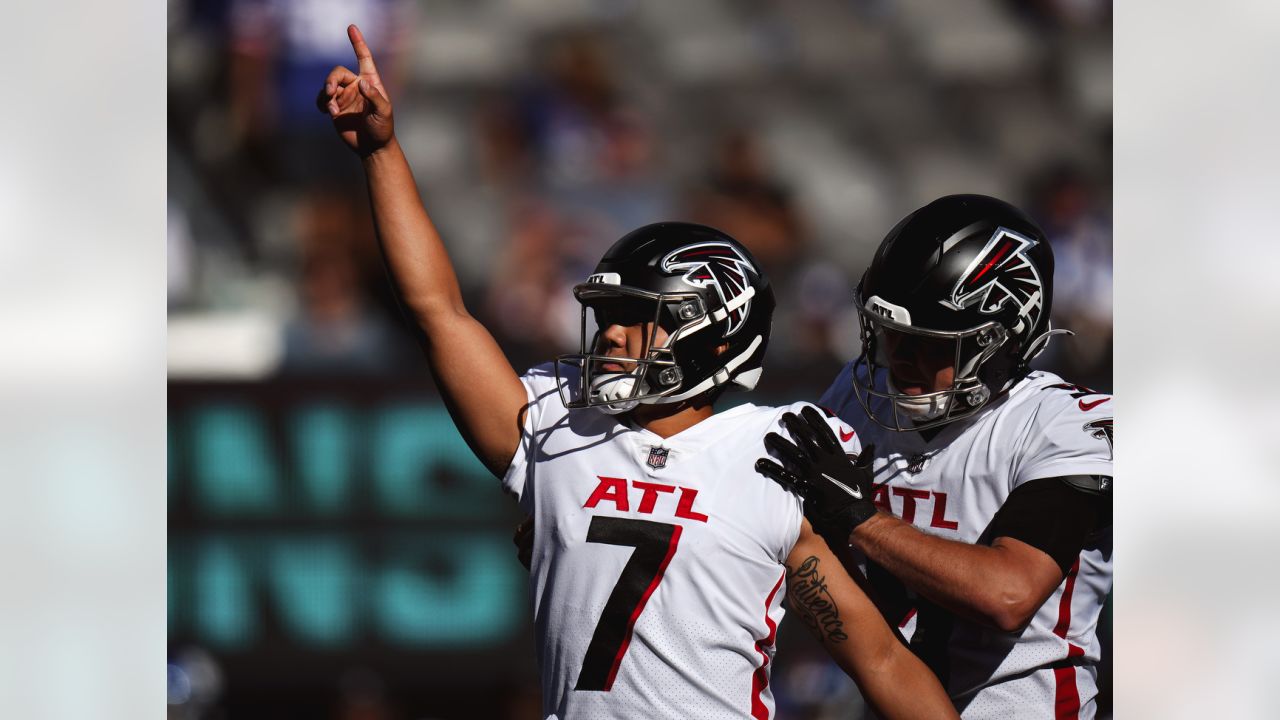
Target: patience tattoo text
column 808, row 591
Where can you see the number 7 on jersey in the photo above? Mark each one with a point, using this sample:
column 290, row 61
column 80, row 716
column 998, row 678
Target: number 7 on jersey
column 655, row 544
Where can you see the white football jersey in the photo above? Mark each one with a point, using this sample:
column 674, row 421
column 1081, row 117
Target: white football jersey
column 952, row 486
column 657, row 575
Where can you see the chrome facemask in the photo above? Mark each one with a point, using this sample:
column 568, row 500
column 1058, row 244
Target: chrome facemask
column 655, row 377
column 900, row 412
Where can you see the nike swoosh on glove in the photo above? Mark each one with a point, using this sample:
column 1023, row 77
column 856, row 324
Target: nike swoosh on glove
column 837, row 491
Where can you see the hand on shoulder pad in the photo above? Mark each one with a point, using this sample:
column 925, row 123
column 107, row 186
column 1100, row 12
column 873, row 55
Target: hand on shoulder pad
column 837, row 491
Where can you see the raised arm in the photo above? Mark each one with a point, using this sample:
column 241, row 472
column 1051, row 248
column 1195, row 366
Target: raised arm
column 892, row 680
column 481, row 390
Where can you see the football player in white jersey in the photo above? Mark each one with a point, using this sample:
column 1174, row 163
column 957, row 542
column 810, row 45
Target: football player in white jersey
column 992, row 550
column 660, row 554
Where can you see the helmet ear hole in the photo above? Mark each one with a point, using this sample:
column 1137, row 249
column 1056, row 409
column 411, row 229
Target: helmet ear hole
column 690, row 309
column 978, row 396
column 670, row 376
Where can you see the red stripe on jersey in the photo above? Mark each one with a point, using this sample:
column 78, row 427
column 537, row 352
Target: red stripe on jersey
column 644, row 600
column 907, row 618
column 1064, row 606
column 1066, row 698
column 760, row 680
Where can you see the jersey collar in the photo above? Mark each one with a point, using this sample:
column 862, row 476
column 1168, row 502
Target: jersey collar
column 694, row 436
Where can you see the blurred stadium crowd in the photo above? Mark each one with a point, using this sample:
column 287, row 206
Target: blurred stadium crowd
column 540, row 131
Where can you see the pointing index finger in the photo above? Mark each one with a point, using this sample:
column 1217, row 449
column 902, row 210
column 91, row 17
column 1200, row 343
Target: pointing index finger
column 363, row 56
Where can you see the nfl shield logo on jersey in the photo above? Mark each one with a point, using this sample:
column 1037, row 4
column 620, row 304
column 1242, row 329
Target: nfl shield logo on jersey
column 657, row 457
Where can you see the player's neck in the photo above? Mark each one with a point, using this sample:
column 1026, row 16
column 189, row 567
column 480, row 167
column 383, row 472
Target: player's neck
column 670, row 419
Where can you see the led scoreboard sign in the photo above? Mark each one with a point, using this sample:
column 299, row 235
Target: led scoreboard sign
column 307, row 522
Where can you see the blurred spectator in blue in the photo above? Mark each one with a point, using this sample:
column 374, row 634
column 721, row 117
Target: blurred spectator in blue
column 525, row 274
column 195, row 684
column 569, row 133
column 743, row 198
column 1078, row 225
column 569, row 124
column 278, row 49
column 577, row 163
column 811, row 687
column 338, row 328
column 549, row 250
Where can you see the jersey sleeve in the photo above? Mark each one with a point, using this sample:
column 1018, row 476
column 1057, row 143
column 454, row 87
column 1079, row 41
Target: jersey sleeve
column 1068, row 436
column 1053, row 517
column 543, row 407
column 845, row 434
column 848, row 440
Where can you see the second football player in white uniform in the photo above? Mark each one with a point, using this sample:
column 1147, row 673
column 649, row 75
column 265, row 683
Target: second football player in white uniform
column 660, row 556
column 993, row 550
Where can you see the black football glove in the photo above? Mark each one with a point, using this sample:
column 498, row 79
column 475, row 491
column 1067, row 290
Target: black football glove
column 837, row 491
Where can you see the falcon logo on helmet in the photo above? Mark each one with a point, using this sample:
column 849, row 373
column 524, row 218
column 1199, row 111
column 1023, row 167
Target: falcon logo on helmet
column 1002, row 273
column 720, row 266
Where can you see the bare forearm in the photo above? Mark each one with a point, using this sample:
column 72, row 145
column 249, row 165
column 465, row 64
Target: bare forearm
column 977, row 582
column 901, row 687
column 458, row 348
column 849, row 627
column 413, row 250
column 896, row 683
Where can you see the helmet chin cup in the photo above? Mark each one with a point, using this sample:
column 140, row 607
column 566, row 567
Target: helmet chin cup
column 618, row 408
column 920, row 408
column 613, row 392
column 923, row 409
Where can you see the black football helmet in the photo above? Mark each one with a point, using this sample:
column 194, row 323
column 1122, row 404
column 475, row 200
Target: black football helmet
column 969, row 278
column 701, row 287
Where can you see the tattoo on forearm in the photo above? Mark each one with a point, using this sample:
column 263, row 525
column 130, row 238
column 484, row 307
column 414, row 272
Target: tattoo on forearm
column 807, row 589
